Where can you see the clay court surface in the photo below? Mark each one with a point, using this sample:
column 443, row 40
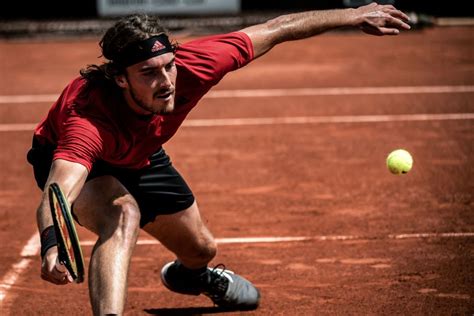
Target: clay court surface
column 293, row 145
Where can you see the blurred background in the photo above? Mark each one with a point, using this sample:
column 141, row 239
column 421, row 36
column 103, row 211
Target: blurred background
column 77, row 17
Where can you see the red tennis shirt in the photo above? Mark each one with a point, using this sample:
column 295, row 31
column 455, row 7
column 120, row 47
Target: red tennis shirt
column 88, row 123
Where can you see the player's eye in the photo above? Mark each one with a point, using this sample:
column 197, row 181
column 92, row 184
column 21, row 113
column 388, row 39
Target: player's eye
column 148, row 73
column 169, row 66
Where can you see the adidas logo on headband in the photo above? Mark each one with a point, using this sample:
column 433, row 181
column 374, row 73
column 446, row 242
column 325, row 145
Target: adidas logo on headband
column 142, row 50
column 157, row 46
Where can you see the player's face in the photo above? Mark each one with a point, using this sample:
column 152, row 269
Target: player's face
column 149, row 86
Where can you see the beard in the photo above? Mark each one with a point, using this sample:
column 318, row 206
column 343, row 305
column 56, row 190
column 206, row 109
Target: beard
column 166, row 109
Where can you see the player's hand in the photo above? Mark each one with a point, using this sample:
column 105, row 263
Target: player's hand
column 376, row 19
column 52, row 271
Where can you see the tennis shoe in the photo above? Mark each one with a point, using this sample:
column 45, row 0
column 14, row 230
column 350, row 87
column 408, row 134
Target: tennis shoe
column 225, row 288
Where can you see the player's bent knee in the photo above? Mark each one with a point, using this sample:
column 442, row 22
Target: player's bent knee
column 202, row 253
column 129, row 215
column 211, row 251
column 125, row 219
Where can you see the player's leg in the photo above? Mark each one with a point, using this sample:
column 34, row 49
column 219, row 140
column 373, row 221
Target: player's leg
column 185, row 235
column 171, row 215
column 106, row 208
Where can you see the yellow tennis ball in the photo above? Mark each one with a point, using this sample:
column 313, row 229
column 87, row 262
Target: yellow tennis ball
column 399, row 161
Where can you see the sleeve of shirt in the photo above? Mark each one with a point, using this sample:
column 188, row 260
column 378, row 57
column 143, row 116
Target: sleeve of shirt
column 210, row 58
column 82, row 141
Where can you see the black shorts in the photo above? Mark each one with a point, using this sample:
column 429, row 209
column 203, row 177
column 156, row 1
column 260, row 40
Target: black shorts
column 158, row 189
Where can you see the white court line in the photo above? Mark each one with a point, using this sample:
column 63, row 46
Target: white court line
column 33, row 246
column 327, row 119
column 31, row 249
column 430, row 235
column 337, row 91
column 256, row 240
column 21, row 127
column 253, row 93
column 38, row 98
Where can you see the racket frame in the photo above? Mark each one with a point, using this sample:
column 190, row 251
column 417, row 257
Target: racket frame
column 62, row 218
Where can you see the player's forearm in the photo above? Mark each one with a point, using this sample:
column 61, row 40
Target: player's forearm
column 296, row 26
column 306, row 24
column 373, row 19
column 70, row 177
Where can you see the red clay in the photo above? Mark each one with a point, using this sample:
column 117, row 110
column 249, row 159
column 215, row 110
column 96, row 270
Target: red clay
column 289, row 180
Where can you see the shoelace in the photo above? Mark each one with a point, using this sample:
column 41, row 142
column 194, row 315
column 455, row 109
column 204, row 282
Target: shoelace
column 217, row 280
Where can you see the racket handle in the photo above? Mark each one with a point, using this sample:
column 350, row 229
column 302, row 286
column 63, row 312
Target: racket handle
column 60, row 267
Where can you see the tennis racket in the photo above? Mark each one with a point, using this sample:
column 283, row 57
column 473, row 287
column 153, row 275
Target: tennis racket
column 69, row 248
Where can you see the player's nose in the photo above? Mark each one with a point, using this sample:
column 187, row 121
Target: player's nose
column 164, row 80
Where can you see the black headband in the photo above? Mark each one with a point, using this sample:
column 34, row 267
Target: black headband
column 143, row 50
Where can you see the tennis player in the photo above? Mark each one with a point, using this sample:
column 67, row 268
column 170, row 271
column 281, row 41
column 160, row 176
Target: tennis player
column 102, row 143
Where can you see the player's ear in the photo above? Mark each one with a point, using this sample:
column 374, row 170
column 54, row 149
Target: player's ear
column 121, row 81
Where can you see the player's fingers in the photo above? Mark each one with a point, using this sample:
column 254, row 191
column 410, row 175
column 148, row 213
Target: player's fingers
column 370, row 29
column 57, row 276
column 390, row 21
column 55, row 280
column 61, row 268
column 383, row 24
column 69, row 277
column 52, row 271
column 62, row 274
column 399, row 15
column 380, row 31
column 388, row 8
column 389, row 31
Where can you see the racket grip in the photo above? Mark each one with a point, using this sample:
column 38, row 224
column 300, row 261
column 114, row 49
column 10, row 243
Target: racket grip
column 60, row 267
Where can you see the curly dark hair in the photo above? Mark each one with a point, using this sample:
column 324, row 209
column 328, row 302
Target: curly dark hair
column 127, row 30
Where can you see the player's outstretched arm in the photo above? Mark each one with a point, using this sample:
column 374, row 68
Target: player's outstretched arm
column 71, row 178
column 373, row 19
